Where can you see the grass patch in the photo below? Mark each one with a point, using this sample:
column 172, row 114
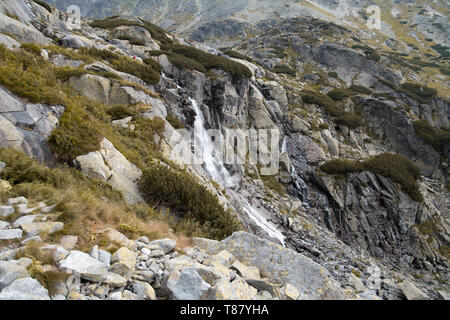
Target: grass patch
column 234, row 54
column 148, row 72
column 340, row 94
column 392, row 166
column 191, row 201
column 285, row 70
column 352, row 121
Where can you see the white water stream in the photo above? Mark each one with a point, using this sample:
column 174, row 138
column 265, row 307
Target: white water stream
column 215, row 167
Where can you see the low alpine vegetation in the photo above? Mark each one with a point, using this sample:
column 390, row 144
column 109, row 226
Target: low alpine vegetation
column 189, row 200
column 389, row 165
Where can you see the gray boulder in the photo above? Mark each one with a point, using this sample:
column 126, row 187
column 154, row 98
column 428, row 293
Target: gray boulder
column 25, row 289
column 88, row 267
column 187, row 284
column 166, row 245
column 12, row 270
column 282, row 265
column 10, row 234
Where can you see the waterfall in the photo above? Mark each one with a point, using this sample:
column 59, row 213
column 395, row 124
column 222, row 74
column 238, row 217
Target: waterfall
column 203, row 143
column 215, row 167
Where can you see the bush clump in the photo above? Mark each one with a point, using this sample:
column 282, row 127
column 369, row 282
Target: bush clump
column 352, row 121
column 438, row 139
column 392, row 166
column 148, row 72
column 338, row 94
column 187, row 198
column 360, row 89
column 75, row 135
column 422, row 94
column 322, row 100
column 120, row 112
column 285, row 70
column 209, row 61
column 234, row 54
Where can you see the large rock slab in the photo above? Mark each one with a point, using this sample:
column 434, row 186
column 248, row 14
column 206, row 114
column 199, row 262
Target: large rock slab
column 187, row 284
column 12, row 270
column 282, row 265
column 10, row 234
column 25, row 289
column 108, row 164
column 88, row 267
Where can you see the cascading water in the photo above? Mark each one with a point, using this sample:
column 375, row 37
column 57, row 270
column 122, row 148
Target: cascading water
column 213, row 164
column 216, row 168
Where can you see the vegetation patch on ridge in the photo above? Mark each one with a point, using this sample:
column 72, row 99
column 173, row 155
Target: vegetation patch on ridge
column 389, row 165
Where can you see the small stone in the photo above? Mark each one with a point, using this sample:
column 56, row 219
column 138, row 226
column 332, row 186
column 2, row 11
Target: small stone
column 35, row 238
column 17, row 201
column 143, row 290
column 73, row 295
column 123, row 262
column 2, row 166
column 6, row 211
column 4, row 225
column 224, row 257
column 33, row 229
column 356, row 283
column 104, row 257
column 69, row 242
column 10, row 234
column 25, row 220
column 94, row 252
column 60, row 253
column 115, row 296
column 411, row 292
column 143, row 239
column 244, row 271
column 23, row 209
column 166, row 245
column 146, row 251
column 128, row 295
column 115, row 280
column 157, row 254
column 118, row 238
column 291, row 292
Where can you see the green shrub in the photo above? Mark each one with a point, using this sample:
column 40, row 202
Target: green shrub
column 174, row 121
column 333, row 74
column 183, row 62
column 392, row 166
column 322, row 100
column 210, row 61
column 340, row 94
column 237, row 55
column 120, row 112
column 352, row 121
column 31, row 48
column 422, row 94
column 437, row 138
column 285, row 69
column 187, row 198
column 369, row 52
column 360, row 89
column 75, row 135
column 148, row 72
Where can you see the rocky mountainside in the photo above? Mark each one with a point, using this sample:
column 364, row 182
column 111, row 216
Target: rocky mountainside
column 95, row 170
column 212, row 19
